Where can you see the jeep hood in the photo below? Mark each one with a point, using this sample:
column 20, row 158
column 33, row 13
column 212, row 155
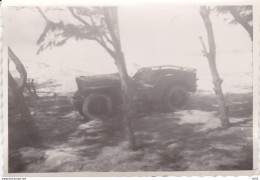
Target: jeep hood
column 98, row 81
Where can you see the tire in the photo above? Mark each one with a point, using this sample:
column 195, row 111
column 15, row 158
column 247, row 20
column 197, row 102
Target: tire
column 176, row 98
column 97, row 106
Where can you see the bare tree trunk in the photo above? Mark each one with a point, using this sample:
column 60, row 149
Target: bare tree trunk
column 17, row 90
column 211, row 56
column 127, row 92
column 127, row 99
column 22, row 131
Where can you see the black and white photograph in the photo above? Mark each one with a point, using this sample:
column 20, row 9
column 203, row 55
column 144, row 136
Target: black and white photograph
column 153, row 87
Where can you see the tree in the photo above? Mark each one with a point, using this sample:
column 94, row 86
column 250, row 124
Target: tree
column 211, row 56
column 16, row 88
column 242, row 15
column 99, row 24
column 21, row 128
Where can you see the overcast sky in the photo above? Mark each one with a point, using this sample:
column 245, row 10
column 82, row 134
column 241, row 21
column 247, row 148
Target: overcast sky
column 150, row 35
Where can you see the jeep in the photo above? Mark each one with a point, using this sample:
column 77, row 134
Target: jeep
column 99, row 96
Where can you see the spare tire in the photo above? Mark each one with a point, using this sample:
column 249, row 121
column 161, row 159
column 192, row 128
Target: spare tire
column 97, row 106
column 176, row 98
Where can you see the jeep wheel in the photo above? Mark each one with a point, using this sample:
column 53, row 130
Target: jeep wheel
column 176, row 98
column 97, row 106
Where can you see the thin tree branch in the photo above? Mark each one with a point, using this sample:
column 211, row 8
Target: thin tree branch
column 78, row 17
column 108, row 39
column 103, row 44
column 43, row 15
column 204, row 51
column 93, row 22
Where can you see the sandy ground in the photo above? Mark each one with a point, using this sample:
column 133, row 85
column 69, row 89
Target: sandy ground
column 192, row 139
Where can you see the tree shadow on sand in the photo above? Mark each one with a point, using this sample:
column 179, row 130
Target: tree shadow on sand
column 187, row 140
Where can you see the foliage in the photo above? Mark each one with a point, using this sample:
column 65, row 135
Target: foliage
column 245, row 12
column 91, row 26
column 241, row 14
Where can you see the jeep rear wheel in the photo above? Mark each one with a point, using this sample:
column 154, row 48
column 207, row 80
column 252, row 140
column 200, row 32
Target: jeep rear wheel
column 97, row 106
column 176, row 98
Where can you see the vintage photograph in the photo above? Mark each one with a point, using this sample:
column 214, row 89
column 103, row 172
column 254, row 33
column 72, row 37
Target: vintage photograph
column 140, row 88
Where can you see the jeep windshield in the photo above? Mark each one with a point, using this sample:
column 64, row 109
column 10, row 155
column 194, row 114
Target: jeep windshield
column 145, row 74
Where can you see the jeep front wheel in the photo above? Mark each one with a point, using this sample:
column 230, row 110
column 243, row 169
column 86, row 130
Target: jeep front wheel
column 97, row 106
column 176, row 98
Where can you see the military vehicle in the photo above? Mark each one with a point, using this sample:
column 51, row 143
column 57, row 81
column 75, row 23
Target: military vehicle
column 169, row 86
